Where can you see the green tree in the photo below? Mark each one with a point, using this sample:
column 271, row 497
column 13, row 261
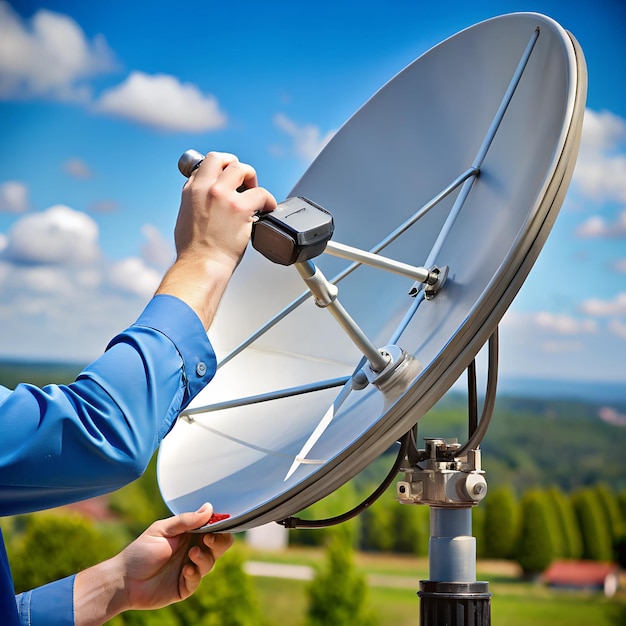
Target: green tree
column 558, row 538
column 139, row 503
column 535, row 549
column 594, row 529
column 54, row 545
column 609, row 505
column 378, row 532
column 229, row 598
column 621, row 502
column 411, row 525
column 337, row 503
column 571, row 546
column 338, row 594
column 501, row 523
column 478, row 529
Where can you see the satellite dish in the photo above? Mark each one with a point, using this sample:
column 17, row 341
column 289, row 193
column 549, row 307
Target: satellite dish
column 443, row 188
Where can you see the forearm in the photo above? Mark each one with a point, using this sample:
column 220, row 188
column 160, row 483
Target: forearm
column 99, row 594
column 89, row 598
column 200, row 283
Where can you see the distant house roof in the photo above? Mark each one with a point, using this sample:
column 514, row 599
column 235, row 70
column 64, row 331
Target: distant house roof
column 583, row 574
column 95, row 508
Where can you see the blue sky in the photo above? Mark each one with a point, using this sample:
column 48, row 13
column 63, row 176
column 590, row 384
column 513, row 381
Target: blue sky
column 98, row 100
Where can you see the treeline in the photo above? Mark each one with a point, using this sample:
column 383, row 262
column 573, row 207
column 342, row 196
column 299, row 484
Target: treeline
column 538, row 442
column 535, row 528
column 545, row 525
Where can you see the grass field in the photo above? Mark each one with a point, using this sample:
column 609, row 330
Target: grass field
column 514, row 602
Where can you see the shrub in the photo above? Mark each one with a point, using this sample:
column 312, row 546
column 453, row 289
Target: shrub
column 535, row 549
column 337, row 594
column 594, row 529
column 501, row 523
column 55, row 545
column 570, row 545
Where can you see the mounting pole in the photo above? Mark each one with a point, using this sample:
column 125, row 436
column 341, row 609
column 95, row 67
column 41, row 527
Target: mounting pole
column 451, row 485
column 453, row 596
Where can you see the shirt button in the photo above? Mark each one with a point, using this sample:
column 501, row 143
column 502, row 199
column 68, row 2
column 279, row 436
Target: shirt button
column 201, row 369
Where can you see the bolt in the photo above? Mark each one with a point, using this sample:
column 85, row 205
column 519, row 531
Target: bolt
column 479, row 488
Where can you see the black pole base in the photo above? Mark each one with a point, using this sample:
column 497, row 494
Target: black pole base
column 454, row 604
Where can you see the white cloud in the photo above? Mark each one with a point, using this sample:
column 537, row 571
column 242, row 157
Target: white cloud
column 530, row 349
column 602, row 131
column 561, row 347
column 157, row 251
column 606, row 308
column 58, row 235
column 61, row 297
column 77, row 168
column 600, row 172
column 49, row 55
column 620, row 266
column 104, row 206
column 618, row 328
column 307, row 140
column 564, row 324
column 163, row 102
column 132, row 275
column 46, row 279
column 597, row 226
column 548, row 332
column 13, row 196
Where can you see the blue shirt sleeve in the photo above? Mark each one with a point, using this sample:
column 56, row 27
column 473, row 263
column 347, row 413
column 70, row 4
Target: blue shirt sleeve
column 52, row 604
column 64, row 443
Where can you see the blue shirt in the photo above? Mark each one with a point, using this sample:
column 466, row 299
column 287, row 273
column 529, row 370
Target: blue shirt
column 64, row 443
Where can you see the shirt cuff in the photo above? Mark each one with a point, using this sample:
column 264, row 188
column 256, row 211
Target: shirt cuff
column 178, row 321
column 50, row 605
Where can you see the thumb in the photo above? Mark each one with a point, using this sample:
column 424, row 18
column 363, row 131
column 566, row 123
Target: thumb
column 186, row 522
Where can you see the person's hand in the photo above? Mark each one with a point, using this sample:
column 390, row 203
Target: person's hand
column 165, row 564
column 213, row 229
column 215, row 220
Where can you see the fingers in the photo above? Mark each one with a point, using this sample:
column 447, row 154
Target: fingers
column 202, row 559
column 237, row 174
column 263, row 199
column 224, row 170
column 186, row 522
column 218, row 542
column 212, row 166
column 190, row 579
